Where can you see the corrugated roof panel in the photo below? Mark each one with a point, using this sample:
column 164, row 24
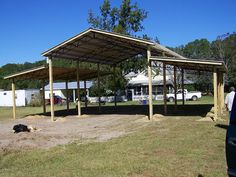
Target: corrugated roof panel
column 71, row 85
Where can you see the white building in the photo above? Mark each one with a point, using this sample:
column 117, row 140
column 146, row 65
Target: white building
column 23, row 97
column 137, row 87
column 59, row 89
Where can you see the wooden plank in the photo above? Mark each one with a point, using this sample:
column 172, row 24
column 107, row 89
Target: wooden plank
column 27, row 72
column 85, row 91
column 222, row 92
column 215, row 94
column 182, row 84
column 164, row 88
column 74, row 99
column 78, row 90
column 13, row 99
column 114, row 76
column 175, row 87
column 219, row 92
column 150, row 83
column 67, row 97
column 187, row 63
column 43, row 97
column 51, row 88
column 59, row 73
column 99, row 91
column 188, row 60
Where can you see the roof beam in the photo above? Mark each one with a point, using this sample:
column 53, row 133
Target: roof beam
column 98, row 52
column 185, row 63
column 205, row 62
column 92, row 60
column 73, row 45
column 130, row 46
column 102, row 49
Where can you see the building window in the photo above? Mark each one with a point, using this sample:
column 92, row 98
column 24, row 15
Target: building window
column 137, row 90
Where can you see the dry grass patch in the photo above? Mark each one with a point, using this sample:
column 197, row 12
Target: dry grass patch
column 173, row 147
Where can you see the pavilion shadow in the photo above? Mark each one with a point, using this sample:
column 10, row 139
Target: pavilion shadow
column 181, row 110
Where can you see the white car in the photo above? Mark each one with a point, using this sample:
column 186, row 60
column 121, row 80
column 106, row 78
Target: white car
column 187, row 95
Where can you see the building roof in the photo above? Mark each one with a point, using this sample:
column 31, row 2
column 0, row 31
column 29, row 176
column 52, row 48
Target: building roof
column 192, row 64
column 98, row 46
column 142, row 79
column 59, row 73
column 71, row 85
column 105, row 47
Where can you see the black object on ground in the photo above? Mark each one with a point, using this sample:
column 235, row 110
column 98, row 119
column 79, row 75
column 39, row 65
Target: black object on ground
column 20, row 128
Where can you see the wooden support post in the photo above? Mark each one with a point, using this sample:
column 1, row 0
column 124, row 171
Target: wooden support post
column 182, row 78
column 74, row 99
column 150, row 83
column 114, row 75
column 43, row 97
column 51, row 87
column 164, row 88
column 78, row 90
column 67, row 97
column 13, row 99
column 222, row 92
column 219, row 92
column 99, row 91
column 85, row 91
column 220, row 79
column 175, row 87
column 215, row 94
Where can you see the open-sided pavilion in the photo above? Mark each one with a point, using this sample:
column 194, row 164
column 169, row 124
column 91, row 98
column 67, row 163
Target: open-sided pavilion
column 101, row 47
column 58, row 73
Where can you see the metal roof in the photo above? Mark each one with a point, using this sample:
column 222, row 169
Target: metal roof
column 103, row 47
column 192, row 64
column 59, row 73
column 71, row 85
column 111, row 48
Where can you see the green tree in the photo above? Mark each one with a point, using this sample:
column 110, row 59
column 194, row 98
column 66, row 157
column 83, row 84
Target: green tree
column 9, row 69
column 200, row 48
column 224, row 49
column 126, row 20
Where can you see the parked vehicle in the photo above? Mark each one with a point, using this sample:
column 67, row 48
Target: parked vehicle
column 230, row 142
column 57, row 100
column 187, row 95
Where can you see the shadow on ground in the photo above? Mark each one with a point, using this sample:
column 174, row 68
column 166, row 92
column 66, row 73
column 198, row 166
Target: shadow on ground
column 222, row 126
column 180, row 110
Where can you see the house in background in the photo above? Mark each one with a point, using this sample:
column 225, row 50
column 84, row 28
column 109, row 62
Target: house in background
column 137, row 86
column 59, row 89
column 23, row 97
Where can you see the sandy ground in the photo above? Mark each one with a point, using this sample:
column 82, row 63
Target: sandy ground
column 68, row 129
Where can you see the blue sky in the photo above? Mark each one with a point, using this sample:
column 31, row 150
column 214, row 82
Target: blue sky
column 29, row 27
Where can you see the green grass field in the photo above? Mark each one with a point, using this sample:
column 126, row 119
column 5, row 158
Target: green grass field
column 6, row 112
column 173, row 147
